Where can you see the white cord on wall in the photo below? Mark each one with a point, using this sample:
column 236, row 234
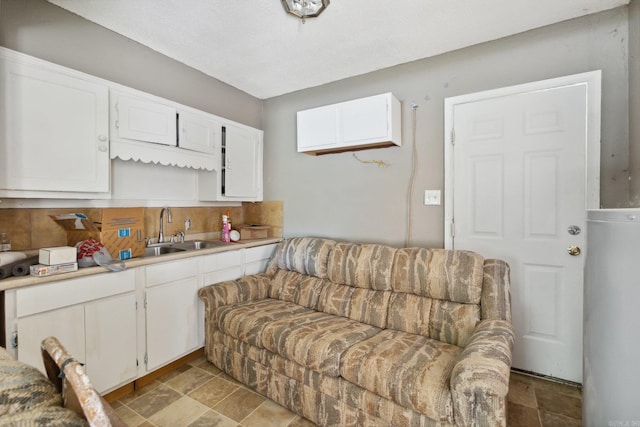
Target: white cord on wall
column 414, row 169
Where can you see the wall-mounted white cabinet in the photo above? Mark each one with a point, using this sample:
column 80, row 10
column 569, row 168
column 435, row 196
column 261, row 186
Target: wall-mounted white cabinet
column 55, row 130
column 372, row 122
column 239, row 177
column 152, row 130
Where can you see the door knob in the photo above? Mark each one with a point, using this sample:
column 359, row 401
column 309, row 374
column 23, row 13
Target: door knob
column 574, row 250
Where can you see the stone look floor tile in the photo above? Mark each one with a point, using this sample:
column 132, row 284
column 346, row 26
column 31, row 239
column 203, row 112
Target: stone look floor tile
column 129, row 416
column 239, row 404
column 189, row 380
column 213, row 391
column 212, row 398
column 180, row 413
column 522, row 416
column 269, row 414
column 559, row 404
column 521, row 392
column 213, row 419
column 154, row 401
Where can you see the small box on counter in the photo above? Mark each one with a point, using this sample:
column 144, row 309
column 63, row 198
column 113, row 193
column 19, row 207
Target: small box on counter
column 48, row 270
column 57, row 255
column 253, row 231
column 121, row 230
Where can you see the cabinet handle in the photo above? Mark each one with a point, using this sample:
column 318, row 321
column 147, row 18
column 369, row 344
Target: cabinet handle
column 102, row 138
column 102, row 148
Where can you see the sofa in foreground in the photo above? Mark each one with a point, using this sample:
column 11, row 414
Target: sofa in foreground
column 351, row 334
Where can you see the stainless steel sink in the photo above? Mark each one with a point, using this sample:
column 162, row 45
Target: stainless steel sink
column 200, row 244
column 161, row 250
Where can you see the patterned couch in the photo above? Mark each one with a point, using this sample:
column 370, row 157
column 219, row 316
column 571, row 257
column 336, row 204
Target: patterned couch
column 361, row 334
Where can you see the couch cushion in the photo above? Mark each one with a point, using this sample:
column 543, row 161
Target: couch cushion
column 362, row 305
column 28, row 398
column 411, row 370
column 439, row 273
column 306, row 255
column 446, row 321
column 246, row 321
column 363, row 266
column 296, row 288
column 315, row 340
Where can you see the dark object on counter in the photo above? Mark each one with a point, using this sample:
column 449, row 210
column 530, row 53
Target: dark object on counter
column 18, row 268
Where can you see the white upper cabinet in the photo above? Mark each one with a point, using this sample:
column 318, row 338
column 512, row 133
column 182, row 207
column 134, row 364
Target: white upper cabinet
column 198, row 132
column 371, row 122
column 242, row 165
column 55, row 130
column 144, row 120
column 240, row 175
column 155, row 130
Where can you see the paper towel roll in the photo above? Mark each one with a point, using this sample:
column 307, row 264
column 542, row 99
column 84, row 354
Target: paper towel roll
column 9, row 257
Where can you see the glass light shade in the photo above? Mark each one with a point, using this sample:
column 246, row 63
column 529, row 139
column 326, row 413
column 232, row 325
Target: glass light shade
column 305, row 8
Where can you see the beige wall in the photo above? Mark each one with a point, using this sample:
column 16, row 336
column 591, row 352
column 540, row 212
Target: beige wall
column 336, row 196
column 46, row 31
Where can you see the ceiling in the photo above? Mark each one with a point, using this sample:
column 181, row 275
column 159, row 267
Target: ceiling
column 255, row 46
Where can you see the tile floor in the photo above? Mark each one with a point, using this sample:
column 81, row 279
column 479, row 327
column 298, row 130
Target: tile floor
column 199, row 395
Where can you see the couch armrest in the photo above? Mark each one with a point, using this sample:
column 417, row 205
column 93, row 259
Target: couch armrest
column 480, row 377
column 248, row 288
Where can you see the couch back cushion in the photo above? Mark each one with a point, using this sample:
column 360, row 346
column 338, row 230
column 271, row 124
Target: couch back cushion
column 437, row 293
column 362, row 266
column 439, row 273
column 305, row 255
column 297, row 288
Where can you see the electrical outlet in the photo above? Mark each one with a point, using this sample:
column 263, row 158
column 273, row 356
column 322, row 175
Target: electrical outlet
column 432, row 197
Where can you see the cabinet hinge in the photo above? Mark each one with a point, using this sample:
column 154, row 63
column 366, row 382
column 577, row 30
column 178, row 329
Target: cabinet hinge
column 14, row 339
column 145, row 300
column 453, row 136
column 137, row 364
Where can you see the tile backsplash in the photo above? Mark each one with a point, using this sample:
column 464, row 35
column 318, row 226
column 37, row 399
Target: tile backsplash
column 33, row 228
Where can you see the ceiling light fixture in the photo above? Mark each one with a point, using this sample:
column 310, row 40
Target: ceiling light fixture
column 305, row 8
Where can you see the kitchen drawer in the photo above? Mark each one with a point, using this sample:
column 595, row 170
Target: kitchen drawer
column 222, row 260
column 49, row 296
column 171, row 271
column 259, row 253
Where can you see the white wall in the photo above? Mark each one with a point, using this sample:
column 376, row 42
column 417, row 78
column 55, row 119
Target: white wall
column 336, row 196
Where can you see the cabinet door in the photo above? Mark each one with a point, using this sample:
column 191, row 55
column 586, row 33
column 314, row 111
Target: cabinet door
column 199, row 133
column 144, row 120
column 111, row 341
column 66, row 324
column 256, row 259
column 317, row 128
column 172, row 321
column 55, row 130
column 364, row 120
column 242, row 163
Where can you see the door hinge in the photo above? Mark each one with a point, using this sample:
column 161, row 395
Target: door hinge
column 14, row 339
column 146, row 359
column 137, row 364
column 453, row 228
column 453, row 136
column 145, row 300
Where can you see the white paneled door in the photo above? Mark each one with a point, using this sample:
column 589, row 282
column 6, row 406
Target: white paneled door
column 518, row 183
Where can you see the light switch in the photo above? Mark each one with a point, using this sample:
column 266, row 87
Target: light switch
column 432, row 197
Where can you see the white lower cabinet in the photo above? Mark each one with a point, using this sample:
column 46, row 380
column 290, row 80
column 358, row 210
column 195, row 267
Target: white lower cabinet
column 124, row 325
column 171, row 311
column 91, row 316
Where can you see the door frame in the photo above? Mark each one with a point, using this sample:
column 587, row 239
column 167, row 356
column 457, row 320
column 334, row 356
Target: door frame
column 592, row 80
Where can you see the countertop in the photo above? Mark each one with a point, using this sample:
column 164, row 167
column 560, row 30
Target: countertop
column 22, row 281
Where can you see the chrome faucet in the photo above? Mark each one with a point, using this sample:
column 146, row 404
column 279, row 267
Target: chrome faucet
column 161, row 233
